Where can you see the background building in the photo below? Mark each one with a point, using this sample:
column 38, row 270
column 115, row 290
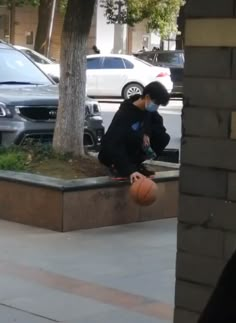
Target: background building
column 109, row 38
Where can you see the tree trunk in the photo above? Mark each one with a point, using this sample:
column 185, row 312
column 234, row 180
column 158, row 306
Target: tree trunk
column 12, row 21
column 120, row 39
column 44, row 16
column 69, row 130
column 181, row 28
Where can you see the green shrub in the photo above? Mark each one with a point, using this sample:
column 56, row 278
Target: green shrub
column 18, row 158
column 13, row 160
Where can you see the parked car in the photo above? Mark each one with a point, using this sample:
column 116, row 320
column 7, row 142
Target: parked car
column 171, row 59
column 122, row 75
column 110, row 75
column 29, row 101
column 47, row 65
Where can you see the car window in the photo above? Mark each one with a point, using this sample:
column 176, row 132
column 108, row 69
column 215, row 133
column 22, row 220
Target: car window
column 93, row 63
column 113, row 63
column 169, row 58
column 148, row 57
column 35, row 57
column 16, row 67
column 128, row 64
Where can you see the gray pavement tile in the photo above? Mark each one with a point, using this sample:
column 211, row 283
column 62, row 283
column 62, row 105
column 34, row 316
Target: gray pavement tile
column 11, row 315
column 58, row 306
column 103, row 268
column 138, row 258
column 12, row 287
column 120, row 250
column 118, row 316
column 122, row 262
column 156, row 285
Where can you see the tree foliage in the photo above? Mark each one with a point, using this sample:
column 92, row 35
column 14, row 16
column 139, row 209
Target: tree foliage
column 160, row 15
column 19, row 3
column 63, row 4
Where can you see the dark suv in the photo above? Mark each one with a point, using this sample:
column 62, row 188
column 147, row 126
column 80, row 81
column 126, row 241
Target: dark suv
column 174, row 59
column 29, row 101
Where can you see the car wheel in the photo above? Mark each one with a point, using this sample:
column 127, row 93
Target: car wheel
column 132, row 89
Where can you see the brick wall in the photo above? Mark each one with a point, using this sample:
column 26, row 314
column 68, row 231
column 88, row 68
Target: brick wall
column 55, row 46
column 27, row 21
column 137, row 36
column 56, row 35
column 207, row 214
column 4, row 24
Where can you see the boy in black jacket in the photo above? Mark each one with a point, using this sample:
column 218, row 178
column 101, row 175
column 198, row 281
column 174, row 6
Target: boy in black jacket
column 135, row 126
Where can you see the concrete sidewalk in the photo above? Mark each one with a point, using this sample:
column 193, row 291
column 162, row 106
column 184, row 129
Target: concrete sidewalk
column 123, row 274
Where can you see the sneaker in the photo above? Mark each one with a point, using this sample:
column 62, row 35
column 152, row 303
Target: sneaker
column 113, row 171
column 149, row 153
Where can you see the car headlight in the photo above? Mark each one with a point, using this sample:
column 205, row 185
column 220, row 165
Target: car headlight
column 92, row 109
column 4, row 111
column 96, row 108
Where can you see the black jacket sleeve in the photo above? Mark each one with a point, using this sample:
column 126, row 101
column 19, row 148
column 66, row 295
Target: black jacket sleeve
column 153, row 121
column 147, row 124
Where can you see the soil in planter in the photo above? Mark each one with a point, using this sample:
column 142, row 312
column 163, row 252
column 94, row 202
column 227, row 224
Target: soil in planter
column 41, row 159
column 69, row 169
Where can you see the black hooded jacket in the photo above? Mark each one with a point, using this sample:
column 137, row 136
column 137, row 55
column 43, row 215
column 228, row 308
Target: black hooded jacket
column 122, row 144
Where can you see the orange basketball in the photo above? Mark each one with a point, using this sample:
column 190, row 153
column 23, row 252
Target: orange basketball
column 144, row 191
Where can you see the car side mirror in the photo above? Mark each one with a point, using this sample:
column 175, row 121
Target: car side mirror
column 53, row 59
column 54, row 78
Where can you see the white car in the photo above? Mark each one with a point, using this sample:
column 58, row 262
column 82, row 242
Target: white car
column 47, row 66
column 122, row 75
column 110, row 75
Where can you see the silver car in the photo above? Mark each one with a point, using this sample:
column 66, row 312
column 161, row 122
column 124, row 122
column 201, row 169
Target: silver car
column 29, row 101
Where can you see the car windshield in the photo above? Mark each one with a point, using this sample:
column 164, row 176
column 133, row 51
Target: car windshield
column 169, row 58
column 15, row 68
column 36, row 57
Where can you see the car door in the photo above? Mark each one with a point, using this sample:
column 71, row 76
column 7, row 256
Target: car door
column 93, row 70
column 173, row 61
column 113, row 76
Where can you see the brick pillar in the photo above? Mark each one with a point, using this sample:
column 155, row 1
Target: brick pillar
column 207, row 215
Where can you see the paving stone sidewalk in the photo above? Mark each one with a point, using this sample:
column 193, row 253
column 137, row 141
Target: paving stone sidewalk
column 122, row 274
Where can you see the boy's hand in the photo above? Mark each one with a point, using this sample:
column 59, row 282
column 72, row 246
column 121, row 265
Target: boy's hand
column 135, row 176
column 146, row 141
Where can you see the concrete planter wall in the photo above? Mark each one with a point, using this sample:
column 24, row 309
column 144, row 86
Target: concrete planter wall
column 80, row 204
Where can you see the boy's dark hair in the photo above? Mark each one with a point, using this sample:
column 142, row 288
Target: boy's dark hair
column 157, row 93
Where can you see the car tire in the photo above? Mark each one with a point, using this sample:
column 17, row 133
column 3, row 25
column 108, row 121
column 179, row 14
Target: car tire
column 132, row 89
